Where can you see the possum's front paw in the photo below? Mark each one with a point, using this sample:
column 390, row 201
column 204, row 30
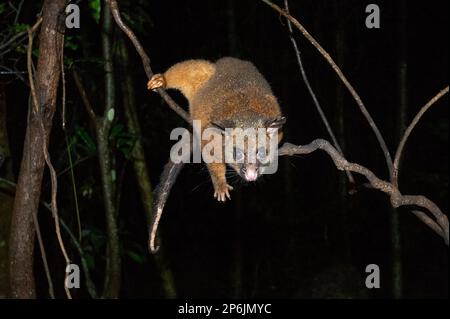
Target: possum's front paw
column 157, row 81
column 222, row 191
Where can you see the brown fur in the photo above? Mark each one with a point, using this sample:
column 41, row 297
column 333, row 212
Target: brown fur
column 229, row 93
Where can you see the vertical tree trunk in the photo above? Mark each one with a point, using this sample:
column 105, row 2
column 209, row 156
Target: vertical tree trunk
column 32, row 167
column 141, row 170
column 103, row 126
column 397, row 274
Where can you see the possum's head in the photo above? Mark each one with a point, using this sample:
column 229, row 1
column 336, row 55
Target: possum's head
column 250, row 145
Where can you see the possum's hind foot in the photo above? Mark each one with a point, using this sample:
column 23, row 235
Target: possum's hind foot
column 156, row 82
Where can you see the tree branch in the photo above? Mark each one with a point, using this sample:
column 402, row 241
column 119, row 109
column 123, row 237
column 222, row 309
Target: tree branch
column 313, row 95
column 145, row 60
column 397, row 199
column 409, row 129
column 342, row 77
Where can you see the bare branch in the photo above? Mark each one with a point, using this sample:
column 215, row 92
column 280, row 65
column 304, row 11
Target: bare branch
column 167, row 179
column 90, row 286
column 311, row 92
column 342, row 77
column 409, row 129
column 397, row 199
column 145, row 60
column 84, row 97
column 14, row 38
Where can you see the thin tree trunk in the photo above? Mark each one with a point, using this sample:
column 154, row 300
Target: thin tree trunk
column 140, row 167
column 397, row 273
column 32, row 167
column 103, row 126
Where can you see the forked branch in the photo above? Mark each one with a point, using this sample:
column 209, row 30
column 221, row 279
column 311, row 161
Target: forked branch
column 397, row 198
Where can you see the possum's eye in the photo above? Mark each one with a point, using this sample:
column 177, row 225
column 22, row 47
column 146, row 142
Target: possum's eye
column 261, row 155
column 238, row 155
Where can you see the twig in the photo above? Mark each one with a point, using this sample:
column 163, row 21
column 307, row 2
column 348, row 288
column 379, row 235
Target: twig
column 53, row 177
column 19, row 9
column 311, row 92
column 13, row 39
column 84, row 97
column 81, row 160
column 409, row 129
column 90, row 286
column 397, row 199
column 51, row 291
column 145, row 60
column 342, row 77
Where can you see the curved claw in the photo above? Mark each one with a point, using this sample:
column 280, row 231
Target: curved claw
column 157, row 81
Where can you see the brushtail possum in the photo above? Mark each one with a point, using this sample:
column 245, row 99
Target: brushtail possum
column 229, row 94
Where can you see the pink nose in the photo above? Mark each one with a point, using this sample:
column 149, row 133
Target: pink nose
column 251, row 175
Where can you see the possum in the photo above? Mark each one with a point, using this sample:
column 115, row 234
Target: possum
column 231, row 96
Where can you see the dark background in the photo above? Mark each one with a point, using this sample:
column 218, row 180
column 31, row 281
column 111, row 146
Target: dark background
column 293, row 234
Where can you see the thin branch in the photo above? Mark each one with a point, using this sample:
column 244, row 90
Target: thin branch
column 342, row 77
column 53, row 177
column 409, row 129
column 429, row 222
column 19, row 9
column 90, row 286
column 71, row 166
column 397, row 199
column 13, row 39
column 311, row 92
column 84, row 97
column 145, row 60
column 162, row 191
column 51, row 291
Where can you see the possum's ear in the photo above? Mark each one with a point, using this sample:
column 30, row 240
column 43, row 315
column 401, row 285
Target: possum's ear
column 219, row 128
column 275, row 124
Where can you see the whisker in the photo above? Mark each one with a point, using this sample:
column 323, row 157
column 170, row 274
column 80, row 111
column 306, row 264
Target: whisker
column 198, row 186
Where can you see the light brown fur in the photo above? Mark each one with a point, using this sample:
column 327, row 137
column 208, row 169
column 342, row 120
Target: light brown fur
column 229, row 93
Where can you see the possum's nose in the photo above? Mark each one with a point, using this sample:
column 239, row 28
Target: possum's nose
column 251, row 174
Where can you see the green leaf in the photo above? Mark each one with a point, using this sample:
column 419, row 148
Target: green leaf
column 90, row 261
column 71, row 42
column 20, row 27
column 116, row 130
column 88, row 141
column 110, row 114
column 140, row 259
column 95, row 7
